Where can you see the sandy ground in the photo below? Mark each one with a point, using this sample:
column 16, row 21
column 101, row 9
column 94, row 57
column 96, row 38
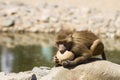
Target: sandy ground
column 104, row 5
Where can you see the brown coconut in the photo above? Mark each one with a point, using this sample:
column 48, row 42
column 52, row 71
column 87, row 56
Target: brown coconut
column 67, row 55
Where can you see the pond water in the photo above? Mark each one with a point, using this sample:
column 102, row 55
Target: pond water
column 22, row 52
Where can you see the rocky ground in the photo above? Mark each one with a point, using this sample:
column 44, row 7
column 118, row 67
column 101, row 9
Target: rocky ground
column 36, row 72
column 21, row 17
column 110, row 71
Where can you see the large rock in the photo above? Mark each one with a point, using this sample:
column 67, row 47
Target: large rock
column 35, row 74
column 96, row 70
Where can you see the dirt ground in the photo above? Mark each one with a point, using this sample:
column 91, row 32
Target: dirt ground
column 104, row 5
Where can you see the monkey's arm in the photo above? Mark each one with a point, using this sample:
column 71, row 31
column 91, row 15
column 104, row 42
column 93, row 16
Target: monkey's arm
column 82, row 58
column 56, row 61
column 81, row 54
column 77, row 60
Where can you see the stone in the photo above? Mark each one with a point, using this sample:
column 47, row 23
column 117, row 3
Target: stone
column 103, row 30
column 11, row 10
column 117, row 34
column 5, row 29
column 53, row 19
column 7, row 22
column 15, row 76
column 112, row 29
column 117, row 22
column 90, row 71
column 85, row 10
column 44, row 17
column 41, row 71
column 2, row 5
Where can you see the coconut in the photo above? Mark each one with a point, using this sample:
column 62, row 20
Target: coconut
column 67, row 55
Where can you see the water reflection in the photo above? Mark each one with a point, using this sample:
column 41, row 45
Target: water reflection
column 21, row 52
column 46, row 52
column 7, row 59
column 22, row 58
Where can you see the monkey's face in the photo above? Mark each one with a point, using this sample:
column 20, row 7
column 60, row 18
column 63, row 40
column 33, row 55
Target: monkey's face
column 63, row 42
column 62, row 48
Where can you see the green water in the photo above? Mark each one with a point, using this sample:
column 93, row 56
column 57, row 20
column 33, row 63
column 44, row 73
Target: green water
column 22, row 58
column 23, row 52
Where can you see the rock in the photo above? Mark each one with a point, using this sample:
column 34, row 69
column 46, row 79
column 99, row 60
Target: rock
column 2, row 5
column 117, row 34
column 11, row 10
column 90, row 71
column 35, row 74
column 7, row 22
column 15, row 76
column 41, row 71
column 34, row 77
column 97, row 18
column 44, row 17
column 103, row 30
column 54, row 19
column 85, row 10
column 117, row 22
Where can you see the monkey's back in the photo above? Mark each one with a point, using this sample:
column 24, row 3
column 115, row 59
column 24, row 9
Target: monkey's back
column 84, row 37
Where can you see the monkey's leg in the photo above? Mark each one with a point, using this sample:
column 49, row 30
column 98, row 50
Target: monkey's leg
column 78, row 60
column 98, row 48
column 83, row 58
column 103, row 55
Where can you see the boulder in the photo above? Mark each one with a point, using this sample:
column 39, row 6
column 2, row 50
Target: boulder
column 96, row 70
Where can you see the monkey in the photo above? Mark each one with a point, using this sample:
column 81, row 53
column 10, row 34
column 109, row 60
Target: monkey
column 83, row 44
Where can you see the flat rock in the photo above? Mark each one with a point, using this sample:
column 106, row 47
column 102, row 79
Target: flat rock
column 96, row 70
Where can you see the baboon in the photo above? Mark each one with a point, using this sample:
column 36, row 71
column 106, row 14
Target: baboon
column 83, row 44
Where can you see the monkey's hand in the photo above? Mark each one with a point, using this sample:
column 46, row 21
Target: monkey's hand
column 67, row 63
column 55, row 60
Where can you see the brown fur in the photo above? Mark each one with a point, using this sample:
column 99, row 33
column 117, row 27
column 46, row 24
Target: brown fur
column 84, row 44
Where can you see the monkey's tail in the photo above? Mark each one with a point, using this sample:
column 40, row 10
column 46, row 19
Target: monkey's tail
column 103, row 56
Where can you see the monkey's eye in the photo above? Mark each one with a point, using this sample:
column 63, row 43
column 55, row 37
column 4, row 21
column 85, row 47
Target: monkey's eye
column 61, row 42
column 57, row 43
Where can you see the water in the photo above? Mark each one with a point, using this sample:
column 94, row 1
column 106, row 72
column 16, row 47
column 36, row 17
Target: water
column 22, row 52
column 22, row 58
